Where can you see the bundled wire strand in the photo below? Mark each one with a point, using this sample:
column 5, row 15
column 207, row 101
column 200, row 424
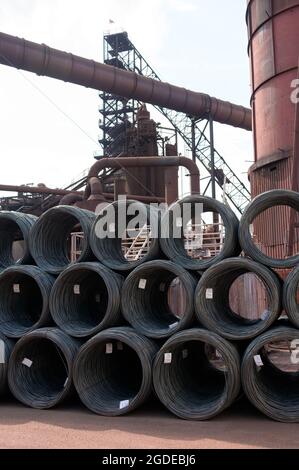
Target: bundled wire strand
column 290, row 304
column 49, row 240
column 24, row 300
column 15, row 227
column 262, row 202
column 145, row 298
column 85, row 299
column 114, row 223
column 273, row 388
column 196, row 374
column 6, row 347
column 189, row 209
column 113, row 371
column 212, row 306
column 40, row 368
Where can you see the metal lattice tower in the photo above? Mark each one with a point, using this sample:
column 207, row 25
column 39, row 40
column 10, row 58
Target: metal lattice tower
column 118, row 113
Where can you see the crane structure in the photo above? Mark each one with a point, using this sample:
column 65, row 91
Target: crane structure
column 118, row 112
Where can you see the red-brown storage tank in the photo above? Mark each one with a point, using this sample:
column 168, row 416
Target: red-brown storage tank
column 273, row 28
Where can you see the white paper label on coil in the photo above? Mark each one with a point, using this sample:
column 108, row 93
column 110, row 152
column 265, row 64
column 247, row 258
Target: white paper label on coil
column 27, row 362
column 265, row 315
column 142, row 283
column 98, row 298
column 185, row 353
column 173, row 325
column 179, row 222
column 16, row 288
column 120, row 345
column 66, row 381
column 76, row 289
column 109, row 348
column 112, row 227
column 258, row 360
column 167, row 358
column 124, row 404
column 162, row 287
column 209, row 293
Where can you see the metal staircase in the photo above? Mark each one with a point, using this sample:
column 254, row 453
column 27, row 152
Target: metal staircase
column 120, row 49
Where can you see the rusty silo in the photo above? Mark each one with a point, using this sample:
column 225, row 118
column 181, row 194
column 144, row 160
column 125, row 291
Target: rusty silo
column 273, row 28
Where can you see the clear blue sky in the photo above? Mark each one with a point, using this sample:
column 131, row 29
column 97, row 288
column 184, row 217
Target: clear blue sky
column 198, row 44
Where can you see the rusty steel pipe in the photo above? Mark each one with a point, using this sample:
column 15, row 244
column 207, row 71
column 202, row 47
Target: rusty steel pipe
column 75, row 195
column 35, row 189
column 43, row 60
column 126, row 162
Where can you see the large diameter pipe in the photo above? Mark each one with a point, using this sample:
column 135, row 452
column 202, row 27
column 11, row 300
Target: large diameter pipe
column 43, row 60
column 126, row 162
column 73, row 194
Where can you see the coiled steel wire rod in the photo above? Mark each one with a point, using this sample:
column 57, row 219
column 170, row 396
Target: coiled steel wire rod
column 113, row 371
column 273, row 390
column 85, row 299
column 49, row 239
column 6, row 347
column 117, row 218
column 212, row 305
column 172, row 239
column 262, row 202
column 15, row 227
column 40, row 368
column 290, row 304
column 145, row 298
column 24, row 300
column 197, row 374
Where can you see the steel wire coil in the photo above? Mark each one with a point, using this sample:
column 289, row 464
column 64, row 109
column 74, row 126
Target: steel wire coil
column 49, row 239
column 6, row 347
column 289, row 296
column 145, row 299
column 173, row 245
column 85, row 299
column 40, row 370
column 196, row 374
column 24, row 300
column 113, row 371
column 212, row 305
column 275, row 392
column 107, row 246
column 259, row 204
column 14, row 226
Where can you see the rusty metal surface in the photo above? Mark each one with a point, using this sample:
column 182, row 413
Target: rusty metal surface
column 43, row 60
column 136, row 162
column 274, row 50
